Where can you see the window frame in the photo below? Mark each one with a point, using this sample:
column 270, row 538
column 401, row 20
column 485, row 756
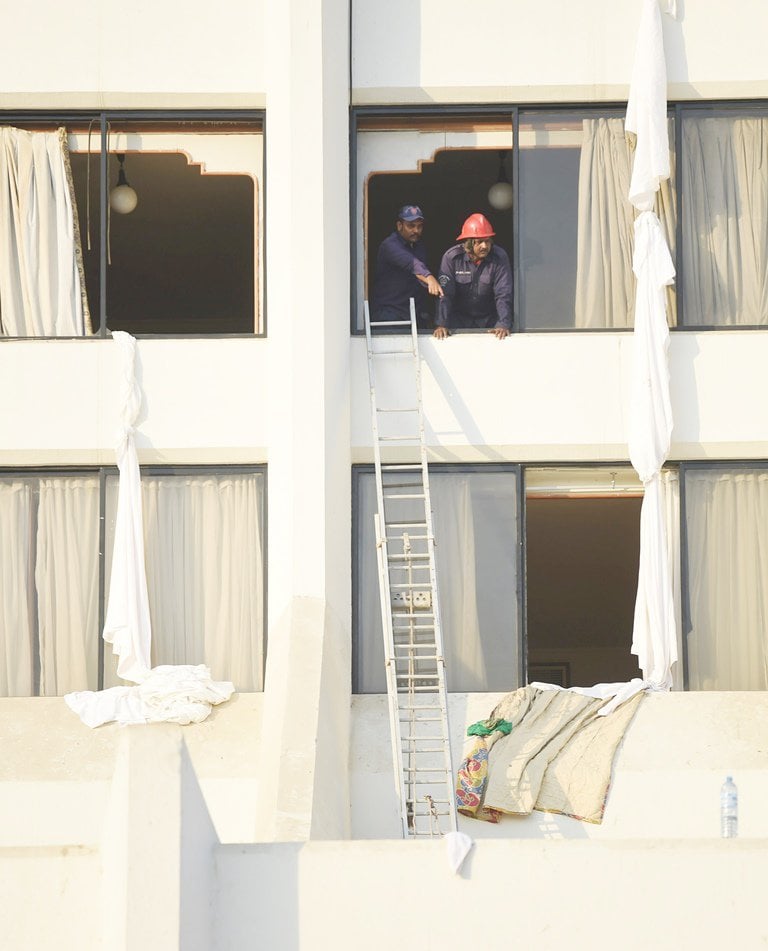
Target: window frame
column 103, row 473
column 515, row 470
column 103, row 117
column 685, row 587
column 677, row 110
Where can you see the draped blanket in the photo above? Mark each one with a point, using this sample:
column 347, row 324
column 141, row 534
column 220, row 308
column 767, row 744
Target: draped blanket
column 557, row 757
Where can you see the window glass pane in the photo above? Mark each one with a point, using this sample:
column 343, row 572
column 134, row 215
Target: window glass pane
column 725, row 219
column 576, row 222
column 726, row 515
column 445, row 166
column 42, row 279
column 49, row 536
column 203, row 538
column 476, row 528
column 184, row 252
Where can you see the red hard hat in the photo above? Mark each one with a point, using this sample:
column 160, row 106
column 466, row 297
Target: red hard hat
column 476, row 226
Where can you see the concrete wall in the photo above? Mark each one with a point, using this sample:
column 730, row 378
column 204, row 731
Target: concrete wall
column 528, row 51
column 658, row 894
column 152, row 872
column 56, row 773
column 566, row 398
column 100, row 54
column 666, row 781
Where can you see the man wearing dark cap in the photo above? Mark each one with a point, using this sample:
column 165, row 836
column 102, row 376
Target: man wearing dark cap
column 401, row 271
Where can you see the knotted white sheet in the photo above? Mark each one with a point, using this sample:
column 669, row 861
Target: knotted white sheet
column 178, row 694
column 654, row 637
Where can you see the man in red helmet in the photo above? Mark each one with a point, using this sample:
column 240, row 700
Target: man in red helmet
column 476, row 279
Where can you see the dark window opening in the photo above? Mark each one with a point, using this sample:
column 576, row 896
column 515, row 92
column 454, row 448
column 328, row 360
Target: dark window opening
column 581, row 566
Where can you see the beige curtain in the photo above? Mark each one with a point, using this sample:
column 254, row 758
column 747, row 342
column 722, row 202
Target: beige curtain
column 17, row 624
column 605, row 282
column 42, row 281
column 725, row 221
column 727, row 528
column 67, row 583
column 203, row 553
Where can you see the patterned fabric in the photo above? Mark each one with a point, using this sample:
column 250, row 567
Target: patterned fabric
column 472, row 778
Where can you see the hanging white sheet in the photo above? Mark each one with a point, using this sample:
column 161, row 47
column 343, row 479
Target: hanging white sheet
column 179, row 694
column 654, row 638
column 127, row 626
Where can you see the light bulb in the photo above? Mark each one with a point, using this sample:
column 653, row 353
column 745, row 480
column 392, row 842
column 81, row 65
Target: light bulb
column 501, row 196
column 123, row 199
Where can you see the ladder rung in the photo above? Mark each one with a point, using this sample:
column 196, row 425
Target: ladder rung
column 394, row 524
column 424, row 769
column 394, row 467
column 415, row 689
column 420, row 802
column 410, row 739
column 413, row 556
column 415, row 647
column 428, row 749
column 397, row 409
column 403, row 497
column 389, row 353
column 390, row 323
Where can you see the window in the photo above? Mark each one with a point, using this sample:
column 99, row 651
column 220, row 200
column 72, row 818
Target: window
column 726, row 553
column 582, row 547
column 569, row 232
column 443, row 164
column 204, row 545
column 576, row 542
column 576, row 222
column 477, row 523
column 725, row 224
column 182, row 255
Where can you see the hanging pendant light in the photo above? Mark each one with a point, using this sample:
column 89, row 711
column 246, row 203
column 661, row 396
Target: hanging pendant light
column 122, row 199
column 501, row 195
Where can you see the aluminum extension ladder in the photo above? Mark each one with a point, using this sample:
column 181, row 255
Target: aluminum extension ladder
column 410, row 615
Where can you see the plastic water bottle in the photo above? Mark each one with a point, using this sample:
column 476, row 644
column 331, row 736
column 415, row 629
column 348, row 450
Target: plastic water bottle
column 729, row 809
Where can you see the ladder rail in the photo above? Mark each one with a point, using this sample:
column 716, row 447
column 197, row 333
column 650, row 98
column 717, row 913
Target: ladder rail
column 416, row 682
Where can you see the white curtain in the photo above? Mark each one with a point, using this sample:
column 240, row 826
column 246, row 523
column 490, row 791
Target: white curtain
column 203, row 553
column 16, row 592
column 67, row 581
column 42, row 286
column 669, row 482
column 49, row 537
column 725, row 220
column 605, row 283
column 727, row 542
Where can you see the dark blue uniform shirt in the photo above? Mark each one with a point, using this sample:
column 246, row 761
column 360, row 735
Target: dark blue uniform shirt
column 397, row 265
column 475, row 295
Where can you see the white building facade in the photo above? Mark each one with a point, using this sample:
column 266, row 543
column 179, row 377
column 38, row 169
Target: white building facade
column 269, row 146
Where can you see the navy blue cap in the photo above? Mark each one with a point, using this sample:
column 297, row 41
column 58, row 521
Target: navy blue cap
column 410, row 213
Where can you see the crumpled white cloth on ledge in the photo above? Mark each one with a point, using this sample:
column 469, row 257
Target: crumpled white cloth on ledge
column 181, row 694
column 615, row 693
